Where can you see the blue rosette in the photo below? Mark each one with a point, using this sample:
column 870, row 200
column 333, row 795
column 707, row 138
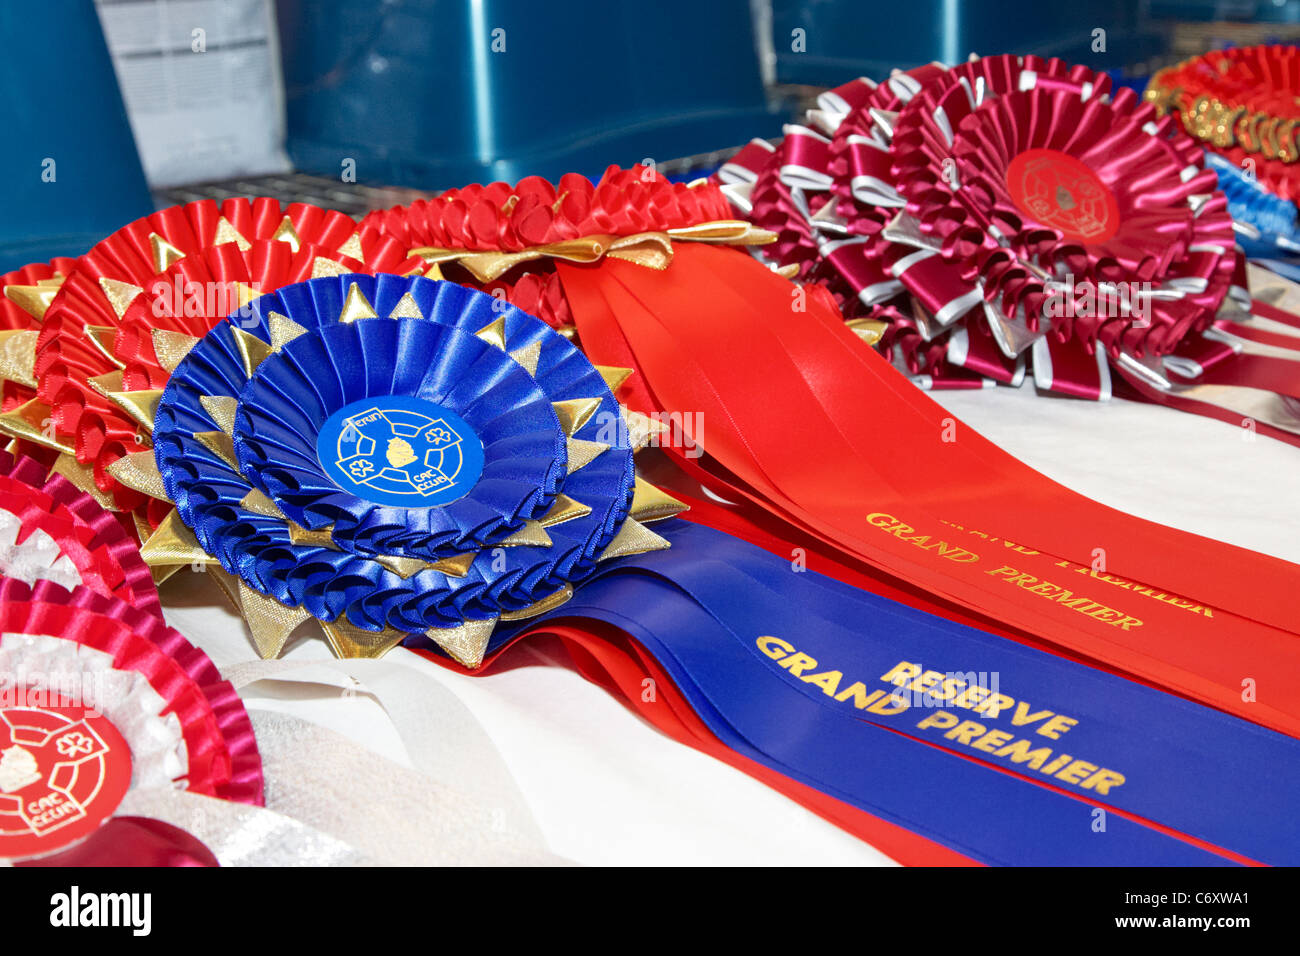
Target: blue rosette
column 1267, row 225
column 397, row 456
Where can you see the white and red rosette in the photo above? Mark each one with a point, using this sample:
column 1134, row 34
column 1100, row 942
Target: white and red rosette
column 99, row 698
column 52, row 530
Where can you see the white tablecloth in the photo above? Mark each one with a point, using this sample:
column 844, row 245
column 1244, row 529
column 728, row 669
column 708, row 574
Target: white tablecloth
column 607, row 788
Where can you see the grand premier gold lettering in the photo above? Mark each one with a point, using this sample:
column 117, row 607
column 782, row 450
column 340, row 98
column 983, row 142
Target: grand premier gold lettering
column 1137, row 587
column 904, row 532
column 1065, row 597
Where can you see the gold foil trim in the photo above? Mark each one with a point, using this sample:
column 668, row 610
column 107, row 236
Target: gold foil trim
column 457, row 566
column 402, row 567
column 252, row 350
column 106, row 383
column 18, row 356
column 322, row 267
column 221, row 445
column 260, row 504
column 352, row 248
column 548, row 603
column 119, row 294
column 321, row 538
column 633, row 538
column 573, row 413
column 349, row 642
column 563, row 509
column 164, row 253
column 528, row 357
column 614, row 377
column 104, row 339
column 171, row 347
column 283, row 330
column 869, row 330
column 32, row 299
column 141, row 405
column 531, row 535
column 286, row 233
column 30, row 421
column 406, row 308
column 582, row 452
column 139, row 472
column 465, row 643
column 651, row 504
column 221, row 409
column 494, row 333
column 227, row 233
column 642, row 429
column 269, row 622
column 174, row 543
column 356, row 306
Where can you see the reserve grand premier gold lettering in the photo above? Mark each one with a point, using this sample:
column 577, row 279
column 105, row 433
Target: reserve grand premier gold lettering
column 940, row 695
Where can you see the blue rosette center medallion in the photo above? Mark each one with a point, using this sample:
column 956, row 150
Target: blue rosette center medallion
column 398, row 457
column 402, row 452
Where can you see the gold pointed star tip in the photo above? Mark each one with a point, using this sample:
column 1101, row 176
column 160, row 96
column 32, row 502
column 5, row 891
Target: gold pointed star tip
column 350, row 642
column 651, row 504
column 32, row 421
column 494, row 333
column 221, row 409
column 164, row 253
column 252, row 350
column 32, row 299
column 139, row 472
column 269, row 622
column 173, row 544
column 633, row 538
column 120, row 294
column 171, row 347
column 18, row 356
column 356, row 306
column 141, row 405
column 465, row 643
column 531, row 535
column 614, row 377
column 573, row 413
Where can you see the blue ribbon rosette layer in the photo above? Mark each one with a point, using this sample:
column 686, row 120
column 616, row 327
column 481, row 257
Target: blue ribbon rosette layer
column 395, row 456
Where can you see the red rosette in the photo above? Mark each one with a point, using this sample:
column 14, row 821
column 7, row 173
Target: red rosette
column 1025, row 189
column 505, row 239
column 26, row 294
column 499, row 217
column 1241, row 102
column 197, row 292
column 78, row 356
column 81, row 728
column 105, row 558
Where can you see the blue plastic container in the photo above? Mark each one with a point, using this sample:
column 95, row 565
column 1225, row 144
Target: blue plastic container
column 846, row 39
column 69, row 172
column 440, row 93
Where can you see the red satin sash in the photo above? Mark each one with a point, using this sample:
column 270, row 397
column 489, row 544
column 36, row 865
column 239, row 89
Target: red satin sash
column 800, row 417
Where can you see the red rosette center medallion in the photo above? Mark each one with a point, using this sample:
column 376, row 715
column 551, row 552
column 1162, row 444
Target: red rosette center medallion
column 1058, row 191
column 63, row 771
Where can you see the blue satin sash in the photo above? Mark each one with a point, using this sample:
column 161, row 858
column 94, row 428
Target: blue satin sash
column 702, row 607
